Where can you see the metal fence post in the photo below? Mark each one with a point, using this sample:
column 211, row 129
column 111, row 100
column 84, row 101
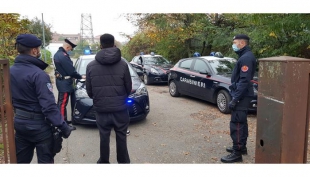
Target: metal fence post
column 7, row 111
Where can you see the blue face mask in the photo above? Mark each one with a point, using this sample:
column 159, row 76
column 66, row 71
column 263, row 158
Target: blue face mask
column 69, row 52
column 235, row 48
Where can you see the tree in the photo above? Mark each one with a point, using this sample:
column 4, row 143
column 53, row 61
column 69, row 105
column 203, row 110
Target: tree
column 178, row 36
column 173, row 35
column 35, row 27
column 10, row 27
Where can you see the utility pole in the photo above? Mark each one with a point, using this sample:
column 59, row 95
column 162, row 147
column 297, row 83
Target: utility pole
column 86, row 33
column 43, row 39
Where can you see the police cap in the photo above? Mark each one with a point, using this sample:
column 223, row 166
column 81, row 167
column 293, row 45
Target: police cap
column 70, row 43
column 28, row 40
column 241, row 36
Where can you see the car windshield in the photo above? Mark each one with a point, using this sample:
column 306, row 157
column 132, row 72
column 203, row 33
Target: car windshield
column 84, row 62
column 156, row 60
column 223, row 66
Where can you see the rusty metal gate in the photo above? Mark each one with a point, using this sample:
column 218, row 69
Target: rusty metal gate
column 6, row 113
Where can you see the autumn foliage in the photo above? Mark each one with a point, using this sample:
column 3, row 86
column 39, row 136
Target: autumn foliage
column 10, row 27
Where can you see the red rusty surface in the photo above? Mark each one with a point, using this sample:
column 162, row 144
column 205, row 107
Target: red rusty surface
column 7, row 111
column 282, row 114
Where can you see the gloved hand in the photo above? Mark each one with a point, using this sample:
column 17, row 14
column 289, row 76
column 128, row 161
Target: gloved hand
column 232, row 104
column 66, row 131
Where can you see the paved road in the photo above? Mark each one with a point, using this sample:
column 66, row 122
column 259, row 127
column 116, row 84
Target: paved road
column 177, row 130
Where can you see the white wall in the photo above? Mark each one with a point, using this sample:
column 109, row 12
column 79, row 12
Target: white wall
column 53, row 48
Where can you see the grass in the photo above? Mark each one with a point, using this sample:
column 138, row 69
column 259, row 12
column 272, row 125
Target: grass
column 50, row 71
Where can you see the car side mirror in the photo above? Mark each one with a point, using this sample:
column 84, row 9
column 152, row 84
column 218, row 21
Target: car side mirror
column 82, row 80
column 139, row 72
column 205, row 73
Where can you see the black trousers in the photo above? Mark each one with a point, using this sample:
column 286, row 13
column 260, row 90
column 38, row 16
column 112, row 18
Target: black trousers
column 33, row 135
column 63, row 99
column 239, row 125
column 119, row 121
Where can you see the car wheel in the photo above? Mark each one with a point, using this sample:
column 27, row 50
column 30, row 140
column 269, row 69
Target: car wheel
column 222, row 99
column 146, row 79
column 173, row 90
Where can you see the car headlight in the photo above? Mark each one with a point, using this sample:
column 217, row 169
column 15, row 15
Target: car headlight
column 153, row 70
column 81, row 93
column 140, row 91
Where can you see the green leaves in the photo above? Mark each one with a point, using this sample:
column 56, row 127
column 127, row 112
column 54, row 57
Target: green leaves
column 35, row 27
column 179, row 35
column 10, row 27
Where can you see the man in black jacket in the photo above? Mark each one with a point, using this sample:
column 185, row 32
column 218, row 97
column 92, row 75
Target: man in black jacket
column 109, row 85
column 64, row 73
column 242, row 93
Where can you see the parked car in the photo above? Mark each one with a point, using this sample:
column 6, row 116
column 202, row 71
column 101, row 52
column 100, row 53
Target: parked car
column 207, row 78
column 152, row 68
column 84, row 113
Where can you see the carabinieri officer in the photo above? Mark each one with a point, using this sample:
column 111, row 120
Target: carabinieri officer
column 242, row 93
column 65, row 73
column 34, row 103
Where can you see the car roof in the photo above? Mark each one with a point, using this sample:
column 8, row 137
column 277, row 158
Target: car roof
column 209, row 58
column 150, row 55
column 87, row 56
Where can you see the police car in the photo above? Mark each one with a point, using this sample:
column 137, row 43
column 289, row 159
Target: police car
column 154, row 68
column 138, row 100
column 206, row 78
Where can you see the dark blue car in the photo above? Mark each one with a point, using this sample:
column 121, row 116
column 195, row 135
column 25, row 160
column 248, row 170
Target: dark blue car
column 207, row 78
column 152, row 68
column 138, row 100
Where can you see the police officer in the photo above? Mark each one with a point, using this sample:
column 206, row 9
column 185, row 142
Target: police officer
column 64, row 73
column 242, row 93
column 34, row 103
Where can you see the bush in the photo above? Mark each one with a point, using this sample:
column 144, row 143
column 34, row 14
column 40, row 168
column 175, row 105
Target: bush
column 48, row 54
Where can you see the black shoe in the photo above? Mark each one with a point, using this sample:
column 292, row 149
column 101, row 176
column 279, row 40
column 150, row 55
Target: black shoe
column 233, row 157
column 244, row 151
column 68, row 122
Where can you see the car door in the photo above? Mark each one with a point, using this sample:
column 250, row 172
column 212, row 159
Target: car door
column 183, row 76
column 201, row 84
column 136, row 64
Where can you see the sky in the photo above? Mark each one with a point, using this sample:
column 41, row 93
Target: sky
column 113, row 23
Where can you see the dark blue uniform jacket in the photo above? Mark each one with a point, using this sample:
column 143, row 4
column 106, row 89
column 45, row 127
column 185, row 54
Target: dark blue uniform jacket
column 243, row 73
column 64, row 66
column 32, row 90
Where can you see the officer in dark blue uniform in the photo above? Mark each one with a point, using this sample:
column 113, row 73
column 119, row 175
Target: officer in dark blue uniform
column 242, row 93
column 34, row 103
column 65, row 72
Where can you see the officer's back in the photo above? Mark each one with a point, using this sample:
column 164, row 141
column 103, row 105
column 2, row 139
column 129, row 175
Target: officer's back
column 34, row 103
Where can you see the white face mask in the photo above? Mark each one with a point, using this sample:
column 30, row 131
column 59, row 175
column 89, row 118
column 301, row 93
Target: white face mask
column 235, row 48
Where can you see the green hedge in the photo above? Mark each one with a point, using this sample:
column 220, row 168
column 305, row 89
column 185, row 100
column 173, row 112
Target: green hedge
column 48, row 59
